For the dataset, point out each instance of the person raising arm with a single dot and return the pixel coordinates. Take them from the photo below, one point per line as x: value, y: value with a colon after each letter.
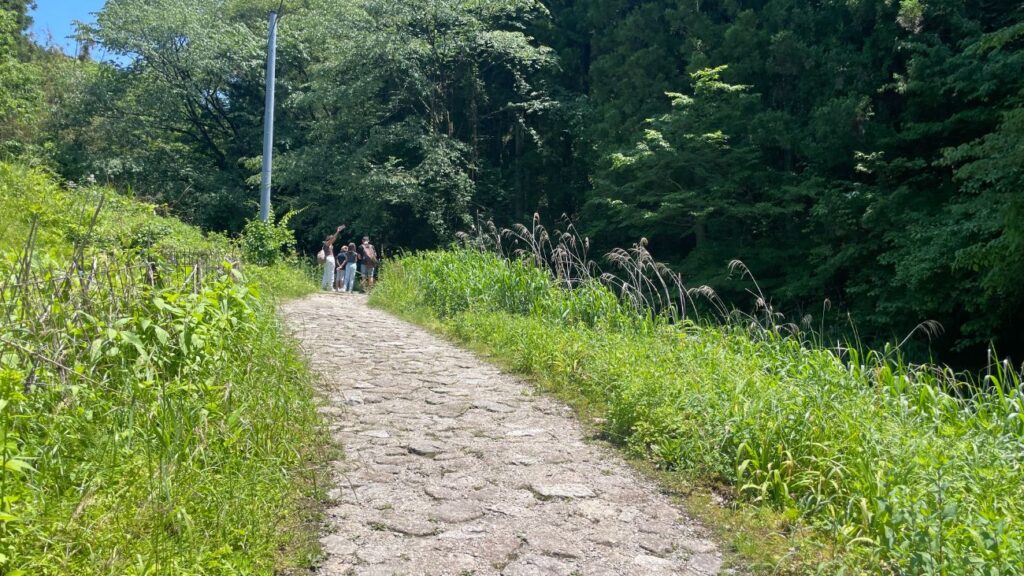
x: 326, y: 257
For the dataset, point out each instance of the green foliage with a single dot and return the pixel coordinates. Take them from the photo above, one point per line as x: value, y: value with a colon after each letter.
x: 177, y: 121
x: 860, y: 152
x: 414, y: 100
x: 901, y: 469
x: 661, y: 186
x: 65, y: 215
x: 284, y: 281
x: 388, y: 111
x: 149, y: 452
x: 154, y: 418
x: 864, y: 162
x: 20, y: 86
x: 267, y: 243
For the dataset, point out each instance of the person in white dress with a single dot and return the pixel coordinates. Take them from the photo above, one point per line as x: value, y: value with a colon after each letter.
x: 326, y: 257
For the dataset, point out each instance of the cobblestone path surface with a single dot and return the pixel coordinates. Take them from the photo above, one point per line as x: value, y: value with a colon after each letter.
x: 453, y: 467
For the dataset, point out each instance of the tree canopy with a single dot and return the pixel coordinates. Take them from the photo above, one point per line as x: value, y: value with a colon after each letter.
x: 867, y: 153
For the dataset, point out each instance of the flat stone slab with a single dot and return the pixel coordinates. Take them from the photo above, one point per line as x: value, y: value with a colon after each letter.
x: 338, y: 545
x: 697, y: 546
x: 453, y: 467
x: 440, y: 493
x: 447, y: 410
x: 407, y: 526
x: 456, y: 512
x: 537, y: 565
x: 452, y: 392
x: 653, y: 564
x: 428, y: 449
x: 546, y: 490
x: 496, y: 407
x: 656, y: 546
x: 529, y: 432
x: 551, y: 543
x: 354, y: 398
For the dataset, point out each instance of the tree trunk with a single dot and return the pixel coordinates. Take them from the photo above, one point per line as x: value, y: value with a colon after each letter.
x: 520, y: 207
x: 700, y: 231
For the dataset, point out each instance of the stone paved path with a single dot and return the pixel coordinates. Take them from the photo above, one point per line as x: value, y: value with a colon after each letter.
x: 452, y: 467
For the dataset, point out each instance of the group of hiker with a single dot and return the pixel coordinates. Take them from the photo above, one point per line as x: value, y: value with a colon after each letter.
x: 340, y: 268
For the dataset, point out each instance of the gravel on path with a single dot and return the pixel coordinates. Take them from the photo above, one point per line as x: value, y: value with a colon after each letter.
x: 453, y: 467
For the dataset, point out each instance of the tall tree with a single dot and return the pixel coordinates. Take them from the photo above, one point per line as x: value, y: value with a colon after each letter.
x: 881, y: 142
x: 179, y: 118
x: 20, y: 81
x: 415, y: 110
x: 866, y: 152
x: 20, y: 20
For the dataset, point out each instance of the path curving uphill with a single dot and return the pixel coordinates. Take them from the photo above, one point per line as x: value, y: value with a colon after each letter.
x: 455, y: 468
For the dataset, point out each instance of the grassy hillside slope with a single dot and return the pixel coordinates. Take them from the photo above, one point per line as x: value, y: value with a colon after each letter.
x: 894, y: 469
x: 154, y: 419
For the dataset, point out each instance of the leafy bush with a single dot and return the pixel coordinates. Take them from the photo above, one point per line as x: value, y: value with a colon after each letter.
x: 162, y: 447
x: 153, y: 417
x: 267, y: 243
x: 903, y: 469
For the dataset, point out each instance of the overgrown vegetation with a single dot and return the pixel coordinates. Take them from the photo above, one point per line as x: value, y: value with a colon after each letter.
x: 867, y: 152
x: 154, y: 419
x: 902, y: 469
x: 270, y: 242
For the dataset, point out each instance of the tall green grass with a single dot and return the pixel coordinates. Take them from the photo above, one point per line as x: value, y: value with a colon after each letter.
x: 901, y: 469
x: 154, y: 419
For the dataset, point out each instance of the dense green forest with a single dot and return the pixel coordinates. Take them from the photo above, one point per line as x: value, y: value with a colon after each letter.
x: 862, y: 156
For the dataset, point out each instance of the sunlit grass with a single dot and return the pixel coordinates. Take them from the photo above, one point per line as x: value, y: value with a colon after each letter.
x: 897, y: 468
x: 154, y: 418
x: 282, y: 281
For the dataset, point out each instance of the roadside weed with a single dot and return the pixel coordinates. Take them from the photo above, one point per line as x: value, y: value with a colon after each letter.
x: 899, y: 468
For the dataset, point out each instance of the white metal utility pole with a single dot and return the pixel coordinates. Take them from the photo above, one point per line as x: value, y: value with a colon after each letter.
x: 268, y: 120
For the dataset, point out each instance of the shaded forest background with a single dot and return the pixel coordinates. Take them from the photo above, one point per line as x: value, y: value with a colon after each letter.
x: 864, y: 153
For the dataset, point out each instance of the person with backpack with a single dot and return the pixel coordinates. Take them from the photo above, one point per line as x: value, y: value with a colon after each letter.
x: 370, y: 261
x: 326, y: 259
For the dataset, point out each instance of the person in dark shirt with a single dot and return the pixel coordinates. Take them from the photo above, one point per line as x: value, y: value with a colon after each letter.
x: 351, y: 256
x: 339, y: 269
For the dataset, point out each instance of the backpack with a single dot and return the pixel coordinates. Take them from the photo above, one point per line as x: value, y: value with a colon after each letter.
x: 370, y: 256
